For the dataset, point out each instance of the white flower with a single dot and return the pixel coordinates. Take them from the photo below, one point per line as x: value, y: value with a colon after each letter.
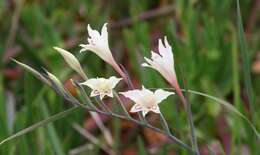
x: 146, y: 100
x: 163, y: 62
x: 98, y: 43
x: 102, y: 87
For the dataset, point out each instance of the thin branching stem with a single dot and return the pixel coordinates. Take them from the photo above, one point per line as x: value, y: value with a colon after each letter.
x: 190, y: 118
x: 173, y: 138
x: 164, y: 124
x: 82, y: 90
x: 127, y: 79
x: 122, y: 105
x: 102, y: 105
x: 141, y: 123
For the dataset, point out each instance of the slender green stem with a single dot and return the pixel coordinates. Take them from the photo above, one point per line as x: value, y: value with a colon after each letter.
x: 164, y: 124
x: 103, y: 105
x: 122, y: 105
x: 173, y: 138
x: 190, y: 118
x: 124, y: 74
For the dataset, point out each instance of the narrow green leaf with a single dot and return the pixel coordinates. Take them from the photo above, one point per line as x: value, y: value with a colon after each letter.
x: 141, y: 146
x: 33, y: 71
x: 229, y: 107
x: 52, y: 132
x: 41, y: 123
x: 246, y: 63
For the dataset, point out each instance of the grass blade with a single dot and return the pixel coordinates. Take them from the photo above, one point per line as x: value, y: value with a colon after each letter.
x: 229, y: 107
x: 40, y: 124
x: 52, y: 132
x: 246, y: 63
x: 33, y: 71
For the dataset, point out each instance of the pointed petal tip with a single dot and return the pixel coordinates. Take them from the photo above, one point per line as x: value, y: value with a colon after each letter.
x: 105, y: 24
x: 144, y: 65
x: 159, y: 40
x: 14, y: 60
x: 165, y: 38
x: 89, y: 27
x: 57, y: 48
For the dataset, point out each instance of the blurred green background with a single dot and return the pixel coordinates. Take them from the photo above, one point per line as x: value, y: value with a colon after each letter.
x: 209, y: 57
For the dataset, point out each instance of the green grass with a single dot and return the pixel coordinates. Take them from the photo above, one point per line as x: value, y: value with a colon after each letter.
x: 209, y: 47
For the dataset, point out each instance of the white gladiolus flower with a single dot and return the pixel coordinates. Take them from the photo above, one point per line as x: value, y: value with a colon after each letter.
x: 146, y: 100
x: 98, y: 43
x: 163, y: 61
x: 102, y: 87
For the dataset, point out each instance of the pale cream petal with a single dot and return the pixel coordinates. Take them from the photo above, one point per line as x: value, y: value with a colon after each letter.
x: 94, y: 93
x: 151, y: 63
x: 145, y: 65
x: 104, y: 32
x: 136, y: 108
x: 167, y: 53
x: 110, y: 94
x: 146, y: 92
x: 114, y: 81
x: 160, y: 46
x: 155, y: 55
x: 155, y: 109
x: 89, y: 47
x: 161, y: 95
x: 93, y: 33
x: 134, y: 95
x: 144, y: 112
x: 101, y: 96
x: 92, y: 83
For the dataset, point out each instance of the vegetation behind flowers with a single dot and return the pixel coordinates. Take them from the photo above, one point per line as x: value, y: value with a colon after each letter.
x: 209, y: 57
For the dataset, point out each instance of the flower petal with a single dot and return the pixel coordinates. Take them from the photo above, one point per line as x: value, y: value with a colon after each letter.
x: 136, y: 108
x: 104, y: 32
x: 114, y: 81
x: 102, y: 96
x: 162, y: 62
x: 94, y: 93
x: 110, y: 94
x: 92, y: 83
x: 144, y: 112
x: 134, y: 95
x: 146, y: 92
x: 155, y: 109
x: 94, y: 34
x: 161, y: 95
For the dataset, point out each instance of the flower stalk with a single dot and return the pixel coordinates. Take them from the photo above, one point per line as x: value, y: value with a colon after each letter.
x: 187, y: 107
x: 163, y: 62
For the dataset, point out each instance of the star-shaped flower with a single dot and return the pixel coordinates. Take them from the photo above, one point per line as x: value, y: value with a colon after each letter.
x: 146, y: 100
x: 102, y: 87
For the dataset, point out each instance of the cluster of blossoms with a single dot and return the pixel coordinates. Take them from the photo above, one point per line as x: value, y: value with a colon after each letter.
x: 145, y: 100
